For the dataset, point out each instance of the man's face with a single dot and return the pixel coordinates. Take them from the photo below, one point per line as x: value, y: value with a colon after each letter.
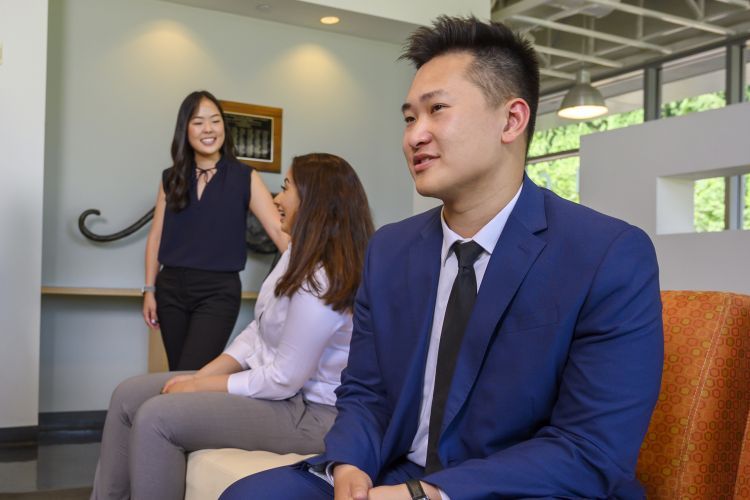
x: 452, y: 136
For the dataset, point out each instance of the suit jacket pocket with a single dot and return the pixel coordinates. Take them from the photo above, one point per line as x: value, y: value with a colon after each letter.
x: 527, y: 320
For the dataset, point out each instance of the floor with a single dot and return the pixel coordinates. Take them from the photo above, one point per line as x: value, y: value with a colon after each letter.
x: 51, y: 464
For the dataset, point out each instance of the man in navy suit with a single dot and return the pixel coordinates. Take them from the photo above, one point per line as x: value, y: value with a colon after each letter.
x: 549, y: 386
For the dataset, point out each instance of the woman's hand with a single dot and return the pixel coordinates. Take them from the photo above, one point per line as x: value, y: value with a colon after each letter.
x: 175, y: 387
x: 177, y: 379
x: 211, y: 378
x: 152, y: 259
x: 149, y: 310
x: 196, y: 383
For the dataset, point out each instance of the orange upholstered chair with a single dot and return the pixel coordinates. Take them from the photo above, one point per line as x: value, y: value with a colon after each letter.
x: 742, y: 486
x: 694, y: 445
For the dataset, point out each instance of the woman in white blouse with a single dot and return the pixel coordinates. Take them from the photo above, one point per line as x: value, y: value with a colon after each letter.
x: 273, y: 387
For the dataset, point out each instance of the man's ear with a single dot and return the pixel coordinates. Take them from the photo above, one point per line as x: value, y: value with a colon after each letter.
x: 517, y: 113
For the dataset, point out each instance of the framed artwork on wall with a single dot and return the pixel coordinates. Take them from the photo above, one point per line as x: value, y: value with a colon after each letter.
x: 256, y: 133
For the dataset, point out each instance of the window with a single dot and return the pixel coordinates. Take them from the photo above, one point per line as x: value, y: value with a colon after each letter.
x: 691, y: 84
x: 568, y: 136
x: 704, y: 102
x: 694, y: 84
x: 709, y: 205
x: 561, y: 175
x: 710, y: 210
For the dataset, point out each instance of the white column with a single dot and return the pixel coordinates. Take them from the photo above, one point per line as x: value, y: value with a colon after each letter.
x: 23, y: 71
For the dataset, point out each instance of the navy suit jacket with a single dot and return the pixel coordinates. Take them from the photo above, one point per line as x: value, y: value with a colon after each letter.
x: 558, y: 372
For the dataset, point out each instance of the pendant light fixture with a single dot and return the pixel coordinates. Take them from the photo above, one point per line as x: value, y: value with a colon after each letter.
x: 582, y: 101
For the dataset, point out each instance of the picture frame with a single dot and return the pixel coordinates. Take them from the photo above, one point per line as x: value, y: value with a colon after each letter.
x: 256, y: 133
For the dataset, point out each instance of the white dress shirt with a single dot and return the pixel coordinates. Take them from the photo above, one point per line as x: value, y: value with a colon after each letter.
x: 294, y: 343
x: 487, y: 238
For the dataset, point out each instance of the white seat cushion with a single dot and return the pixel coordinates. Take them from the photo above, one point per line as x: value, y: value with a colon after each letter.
x: 210, y: 472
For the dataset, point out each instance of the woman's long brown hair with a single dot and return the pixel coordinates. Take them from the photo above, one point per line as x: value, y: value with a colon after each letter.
x: 332, y: 227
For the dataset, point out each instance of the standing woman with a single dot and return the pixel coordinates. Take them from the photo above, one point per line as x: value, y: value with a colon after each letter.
x: 198, y: 236
x: 273, y: 388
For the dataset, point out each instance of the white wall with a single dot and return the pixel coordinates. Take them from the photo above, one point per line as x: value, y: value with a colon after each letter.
x: 23, y: 35
x: 118, y: 71
x: 620, y: 172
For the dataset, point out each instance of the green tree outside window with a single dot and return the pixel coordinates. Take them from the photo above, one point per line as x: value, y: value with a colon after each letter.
x: 568, y: 137
x: 713, y: 100
x: 709, y: 203
x: 559, y: 176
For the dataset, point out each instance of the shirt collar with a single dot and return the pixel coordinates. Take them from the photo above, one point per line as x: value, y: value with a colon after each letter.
x: 486, y: 237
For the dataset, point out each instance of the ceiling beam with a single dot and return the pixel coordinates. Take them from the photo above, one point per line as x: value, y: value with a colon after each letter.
x: 651, y: 36
x: 578, y: 56
x: 739, y: 3
x: 663, y: 16
x: 557, y: 74
x: 567, y: 12
x: 591, y: 33
x: 517, y: 8
x: 698, y: 9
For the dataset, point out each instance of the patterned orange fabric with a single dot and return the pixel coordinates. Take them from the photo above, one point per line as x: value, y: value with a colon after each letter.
x: 742, y: 487
x: 694, y: 441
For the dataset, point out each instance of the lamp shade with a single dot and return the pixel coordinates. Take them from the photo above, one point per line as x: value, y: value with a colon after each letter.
x: 582, y: 101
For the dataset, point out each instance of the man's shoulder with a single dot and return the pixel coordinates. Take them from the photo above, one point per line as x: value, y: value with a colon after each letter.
x: 571, y: 216
x: 586, y: 235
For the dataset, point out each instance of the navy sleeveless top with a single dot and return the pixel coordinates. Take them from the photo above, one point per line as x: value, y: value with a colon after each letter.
x: 209, y: 234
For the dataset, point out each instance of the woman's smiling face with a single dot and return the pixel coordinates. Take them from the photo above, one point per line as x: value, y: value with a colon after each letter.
x: 287, y: 202
x: 206, y: 131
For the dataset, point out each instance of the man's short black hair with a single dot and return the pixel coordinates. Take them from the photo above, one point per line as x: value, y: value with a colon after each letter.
x: 505, y: 64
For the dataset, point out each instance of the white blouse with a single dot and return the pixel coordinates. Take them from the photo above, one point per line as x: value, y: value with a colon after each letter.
x: 294, y: 343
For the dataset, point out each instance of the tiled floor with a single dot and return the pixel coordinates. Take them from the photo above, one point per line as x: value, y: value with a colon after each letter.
x: 47, y: 466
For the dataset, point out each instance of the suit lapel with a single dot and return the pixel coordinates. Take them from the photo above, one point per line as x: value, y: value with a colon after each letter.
x: 513, y: 256
x: 423, y: 274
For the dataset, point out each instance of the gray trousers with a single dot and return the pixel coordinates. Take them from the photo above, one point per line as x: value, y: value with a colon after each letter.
x: 147, y: 435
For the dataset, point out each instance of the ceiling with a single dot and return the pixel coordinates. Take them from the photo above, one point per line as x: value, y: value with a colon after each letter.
x: 604, y: 36
x: 306, y: 14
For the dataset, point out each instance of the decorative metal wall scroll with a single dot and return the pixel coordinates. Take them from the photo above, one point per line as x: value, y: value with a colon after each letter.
x: 105, y: 238
x: 255, y: 236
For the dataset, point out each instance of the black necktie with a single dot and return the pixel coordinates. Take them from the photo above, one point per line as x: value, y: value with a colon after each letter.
x: 457, y: 313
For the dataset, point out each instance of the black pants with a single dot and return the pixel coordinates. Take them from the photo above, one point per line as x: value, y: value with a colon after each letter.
x: 197, y: 311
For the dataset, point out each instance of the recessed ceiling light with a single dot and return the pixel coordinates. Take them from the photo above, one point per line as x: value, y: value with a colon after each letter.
x: 263, y: 7
x: 330, y: 20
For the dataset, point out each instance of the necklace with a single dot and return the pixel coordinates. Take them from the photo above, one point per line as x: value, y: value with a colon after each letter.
x: 204, y: 172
